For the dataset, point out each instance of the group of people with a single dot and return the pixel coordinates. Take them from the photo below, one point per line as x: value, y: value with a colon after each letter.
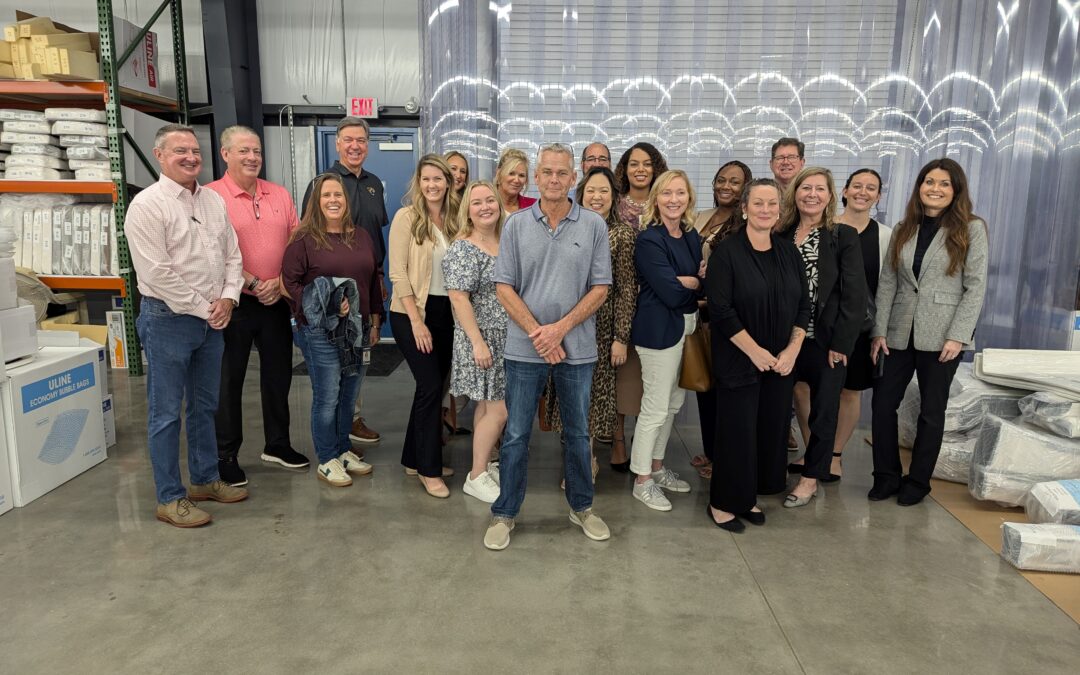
x: 575, y: 307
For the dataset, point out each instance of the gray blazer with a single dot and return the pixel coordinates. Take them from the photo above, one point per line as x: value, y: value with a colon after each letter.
x: 941, y: 307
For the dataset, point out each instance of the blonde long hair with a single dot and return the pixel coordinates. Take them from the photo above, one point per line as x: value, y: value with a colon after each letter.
x: 651, y: 214
x: 464, y: 222
x: 313, y: 224
x: 507, y: 161
x: 423, y: 229
x: 789, y: 213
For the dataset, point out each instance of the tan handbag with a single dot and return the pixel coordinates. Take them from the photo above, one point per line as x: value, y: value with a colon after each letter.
x: 696, y: 373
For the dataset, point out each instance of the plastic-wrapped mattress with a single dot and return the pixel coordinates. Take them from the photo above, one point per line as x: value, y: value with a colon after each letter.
x: 1050, y: 411
x: 1012, y: 456
x: 954, y: 462
x: 1054, y: 502
x: 1046, y: 547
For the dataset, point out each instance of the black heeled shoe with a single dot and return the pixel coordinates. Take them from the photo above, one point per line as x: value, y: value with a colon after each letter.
x: 753, y: 517
x: 734, y: 525
x: 795, y: 468
x: 620, y: 467
x: 833, y: 477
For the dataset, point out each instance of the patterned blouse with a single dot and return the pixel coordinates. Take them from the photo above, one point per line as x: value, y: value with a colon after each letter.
x: 809, y: 252
x: 630, y: 213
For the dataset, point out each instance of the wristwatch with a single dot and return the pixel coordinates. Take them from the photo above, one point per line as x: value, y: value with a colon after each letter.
x: 254, y: 282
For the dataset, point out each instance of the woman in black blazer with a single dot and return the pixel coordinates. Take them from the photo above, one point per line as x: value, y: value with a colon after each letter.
x: 667, y: 256
x: 832, y: 257
x: 758, y: 309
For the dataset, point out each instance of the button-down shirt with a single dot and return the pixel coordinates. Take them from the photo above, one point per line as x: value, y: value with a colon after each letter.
x: 263, y: 223
x: 182, y: 247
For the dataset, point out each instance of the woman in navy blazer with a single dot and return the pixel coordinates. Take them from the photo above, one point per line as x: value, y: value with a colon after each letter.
x: 667, y: 256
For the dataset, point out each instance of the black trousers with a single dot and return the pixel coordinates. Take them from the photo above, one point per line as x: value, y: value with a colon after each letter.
x: 268, y: 328
x: 751, y: 442
x: 423, y: 437
x: 706, y: 407
x: 812, y: 367
x: 934, y: 381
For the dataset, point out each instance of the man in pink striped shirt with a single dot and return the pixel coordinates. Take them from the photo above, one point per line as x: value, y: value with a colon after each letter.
x: 263, y: 216
x: 188, y: 270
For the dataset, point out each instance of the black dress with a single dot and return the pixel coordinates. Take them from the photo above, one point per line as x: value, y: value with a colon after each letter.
x: 860, y: 373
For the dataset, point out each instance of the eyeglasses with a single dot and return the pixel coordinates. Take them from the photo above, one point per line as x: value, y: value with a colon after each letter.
x: 786, y: 158
x: 598, y: 158
x: 255, y: 205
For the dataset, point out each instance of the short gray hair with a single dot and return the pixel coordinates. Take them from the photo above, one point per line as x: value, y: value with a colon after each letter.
x: 227, y: 135
x: 557, y: 148
x: 353, y: 122
x: 159, y: 137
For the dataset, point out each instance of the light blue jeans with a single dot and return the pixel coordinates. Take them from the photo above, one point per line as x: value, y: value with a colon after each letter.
x: 333, y: 395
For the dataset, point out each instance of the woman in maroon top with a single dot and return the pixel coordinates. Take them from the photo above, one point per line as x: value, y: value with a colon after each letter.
x: 328, y: 244
x: 511, y: 179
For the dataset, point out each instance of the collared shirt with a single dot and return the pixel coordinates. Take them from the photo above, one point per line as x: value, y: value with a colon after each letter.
x: 182, y: 247
x: 263, y: 223
x: 367, y: 205
x: 552, y: 271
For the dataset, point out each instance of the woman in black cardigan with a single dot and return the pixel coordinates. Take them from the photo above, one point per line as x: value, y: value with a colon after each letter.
x: 758, y: 310
x: 832, y: 257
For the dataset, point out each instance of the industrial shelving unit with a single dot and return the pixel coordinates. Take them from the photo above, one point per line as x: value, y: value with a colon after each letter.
x: 108, y: 93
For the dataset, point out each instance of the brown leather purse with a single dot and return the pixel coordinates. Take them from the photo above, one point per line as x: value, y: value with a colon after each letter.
x: 696, y: 372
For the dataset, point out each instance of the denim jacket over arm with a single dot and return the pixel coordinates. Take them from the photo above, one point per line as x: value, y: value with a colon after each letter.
x: 321, y: 304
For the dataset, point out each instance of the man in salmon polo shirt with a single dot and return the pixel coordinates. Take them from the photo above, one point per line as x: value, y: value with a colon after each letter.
x: 263, y: 215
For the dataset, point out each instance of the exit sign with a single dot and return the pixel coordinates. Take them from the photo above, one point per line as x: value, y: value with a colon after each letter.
x: 363, y: 107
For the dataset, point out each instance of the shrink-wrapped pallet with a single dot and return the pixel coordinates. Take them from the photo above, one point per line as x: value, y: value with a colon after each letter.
x: 1045, y: 547
x: 1054, y: 502
x: 1012, y: 456
x: 1050, y: 411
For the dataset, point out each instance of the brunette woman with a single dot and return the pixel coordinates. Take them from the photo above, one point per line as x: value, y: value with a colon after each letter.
x: 459, y: 169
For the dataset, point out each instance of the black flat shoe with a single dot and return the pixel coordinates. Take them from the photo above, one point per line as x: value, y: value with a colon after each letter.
x: 621, y: 467
x: 795, y: 468
x: 833, y: 477
x: 909, y: 496
x: 753, y: 517
x: 883, y: 489
x: 734, y: 525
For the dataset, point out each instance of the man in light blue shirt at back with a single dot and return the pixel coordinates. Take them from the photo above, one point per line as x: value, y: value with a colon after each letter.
x: 552, y: 274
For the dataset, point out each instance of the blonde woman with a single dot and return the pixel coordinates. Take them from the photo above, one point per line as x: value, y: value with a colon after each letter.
x: 420, y: 315
x: 511, y: 179
x: 667, y: 256
x: 459, y: 169
x: 477, y: 370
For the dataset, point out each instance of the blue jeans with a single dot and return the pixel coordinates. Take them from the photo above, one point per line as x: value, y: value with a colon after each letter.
x: 333, y: 395
x: 183, y: 356
x: 524, y: 385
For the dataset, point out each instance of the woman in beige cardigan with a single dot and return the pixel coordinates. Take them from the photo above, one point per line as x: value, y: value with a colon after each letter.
x: 420, y: 313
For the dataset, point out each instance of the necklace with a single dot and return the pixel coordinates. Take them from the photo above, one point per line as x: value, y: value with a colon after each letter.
x: 637, y: 204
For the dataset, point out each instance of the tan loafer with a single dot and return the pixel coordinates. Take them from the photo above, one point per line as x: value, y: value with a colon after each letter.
x: 182, y: 513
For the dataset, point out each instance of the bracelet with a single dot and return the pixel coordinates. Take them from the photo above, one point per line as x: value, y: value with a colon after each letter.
x: 254, y: 282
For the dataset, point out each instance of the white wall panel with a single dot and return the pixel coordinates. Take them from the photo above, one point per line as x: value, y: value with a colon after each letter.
x: 383, y: 46
x: 276, y: 158
x: 301, y: 51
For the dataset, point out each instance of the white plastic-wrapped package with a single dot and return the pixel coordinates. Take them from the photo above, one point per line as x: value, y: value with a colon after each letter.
x: 37, y: 160
x: 70, y: 127
x: 35, y: 199
x: 75, y: 114
x: 19, y: 137
x: 77, y: 164
x: 1053, y: 412
x: 970, y: 401
x: 1045, y: 547
x: 37, y: 149
x: 8, y: 114
x: 87, y: 152
x: 32, y: 173
x: 69, y: 140
x: 1054, y: 502
x: 954, y: 462
x: 27, y: 127
x: 1011, y: 456
x: 93, y: 174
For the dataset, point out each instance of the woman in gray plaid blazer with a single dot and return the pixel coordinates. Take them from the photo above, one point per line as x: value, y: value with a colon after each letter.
x: 929, y: 297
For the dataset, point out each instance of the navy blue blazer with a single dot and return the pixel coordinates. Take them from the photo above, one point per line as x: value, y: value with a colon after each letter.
x: 662, y: 301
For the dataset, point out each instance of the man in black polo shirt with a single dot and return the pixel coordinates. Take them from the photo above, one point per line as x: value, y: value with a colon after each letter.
x: 367, y: 207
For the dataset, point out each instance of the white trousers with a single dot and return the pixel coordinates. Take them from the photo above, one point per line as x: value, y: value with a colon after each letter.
x: 661, y: 401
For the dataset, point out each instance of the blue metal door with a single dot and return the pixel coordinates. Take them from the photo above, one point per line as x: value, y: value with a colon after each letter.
x: 392, y: 156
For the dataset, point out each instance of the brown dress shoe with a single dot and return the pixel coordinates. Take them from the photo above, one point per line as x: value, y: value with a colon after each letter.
x: 182, y: 513
x: 361, y: 433
x: 218, y: 491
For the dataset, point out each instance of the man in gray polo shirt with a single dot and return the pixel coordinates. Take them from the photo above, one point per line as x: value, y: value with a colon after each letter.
x: 552, y: 274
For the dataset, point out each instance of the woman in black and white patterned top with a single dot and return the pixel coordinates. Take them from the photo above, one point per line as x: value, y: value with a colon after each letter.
x: 832, y: 256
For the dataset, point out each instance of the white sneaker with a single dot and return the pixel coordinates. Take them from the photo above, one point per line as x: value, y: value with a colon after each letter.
x: 483, y: 487
x: 493, y: 471
x: 355, y: 465
x: 650, y: 494
x: 669, y: 480
x: 333, y: 472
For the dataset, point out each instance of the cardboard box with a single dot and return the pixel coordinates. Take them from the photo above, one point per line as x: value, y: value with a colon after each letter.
x: 7, y: 70
x: 78, y: 64
x: 102, y: 363
x: 69, y: 322
x: 18, y: 332
x: 8, y: 296
x: 79, y: 41
x: 5, y: 52
x: 117, y: 340
x: 109, y: 418
x: 53, y: 421
x: 7, y: 500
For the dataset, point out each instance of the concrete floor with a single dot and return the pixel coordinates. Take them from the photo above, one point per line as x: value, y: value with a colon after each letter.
x: 380, y: 577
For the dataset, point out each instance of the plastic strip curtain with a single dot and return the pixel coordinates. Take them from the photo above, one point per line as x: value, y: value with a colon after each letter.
x: 880, y: 83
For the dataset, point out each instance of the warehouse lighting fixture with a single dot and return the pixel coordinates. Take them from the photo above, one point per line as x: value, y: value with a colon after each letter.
x: 445, y: 7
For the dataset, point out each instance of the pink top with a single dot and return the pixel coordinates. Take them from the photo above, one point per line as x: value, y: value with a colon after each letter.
x: 182, y: 247
x: 263, y: 223
x: 525, y: 202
